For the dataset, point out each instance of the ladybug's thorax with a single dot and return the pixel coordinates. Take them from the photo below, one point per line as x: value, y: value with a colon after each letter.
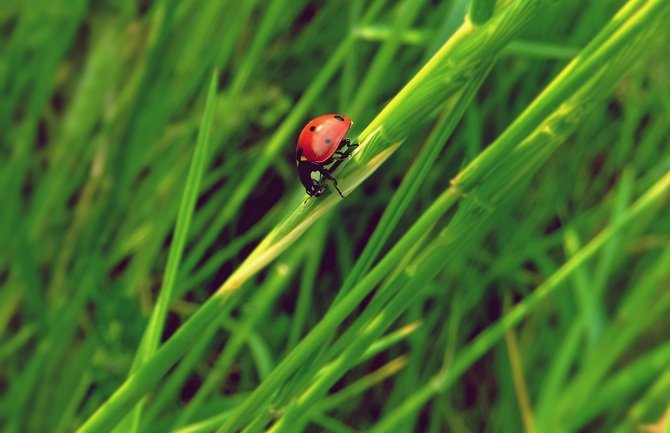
x: 321, y: 137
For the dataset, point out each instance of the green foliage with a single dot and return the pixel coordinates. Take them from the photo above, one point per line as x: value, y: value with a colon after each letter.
x: 500, y: 261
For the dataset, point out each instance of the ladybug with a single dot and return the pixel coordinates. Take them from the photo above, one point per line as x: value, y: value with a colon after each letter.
x: 321, y: 149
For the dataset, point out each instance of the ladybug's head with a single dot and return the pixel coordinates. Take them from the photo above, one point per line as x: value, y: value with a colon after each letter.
x: 310, y: 176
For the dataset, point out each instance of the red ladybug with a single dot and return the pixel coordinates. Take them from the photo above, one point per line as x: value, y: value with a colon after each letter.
x: 321, y: 144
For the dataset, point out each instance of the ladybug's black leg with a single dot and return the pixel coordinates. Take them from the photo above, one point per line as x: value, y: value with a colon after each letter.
x: 335, y: 165
x: 344, y: 143
x: 347, y: 147
x: 339, y: 155
x: 326, y: 173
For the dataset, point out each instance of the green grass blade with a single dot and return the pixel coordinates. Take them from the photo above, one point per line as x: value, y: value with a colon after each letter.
x: 154, y: 330
x: 653, y: 199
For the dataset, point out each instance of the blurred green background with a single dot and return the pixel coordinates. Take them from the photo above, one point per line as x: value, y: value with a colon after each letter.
x: 101, y: 107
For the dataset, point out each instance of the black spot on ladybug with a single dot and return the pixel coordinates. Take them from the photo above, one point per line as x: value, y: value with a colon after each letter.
x: 338, y: 117
x: 312, y: 128
x: 327, y: 140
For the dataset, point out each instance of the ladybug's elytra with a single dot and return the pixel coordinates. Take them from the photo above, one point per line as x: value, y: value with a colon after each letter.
x: 321, y: 144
